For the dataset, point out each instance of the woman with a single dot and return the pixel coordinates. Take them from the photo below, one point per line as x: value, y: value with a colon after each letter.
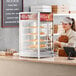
x: 69, y: 31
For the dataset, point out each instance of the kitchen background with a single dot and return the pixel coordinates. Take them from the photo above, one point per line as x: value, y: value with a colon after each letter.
x: 9, y: 37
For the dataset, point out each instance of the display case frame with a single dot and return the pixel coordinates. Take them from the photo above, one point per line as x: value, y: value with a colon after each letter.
x: 39, y: 53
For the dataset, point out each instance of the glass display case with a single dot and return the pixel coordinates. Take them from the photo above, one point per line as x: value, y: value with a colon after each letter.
x: 35, y: 34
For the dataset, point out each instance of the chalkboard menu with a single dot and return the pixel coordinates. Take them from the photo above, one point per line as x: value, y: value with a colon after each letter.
x: 10, y: 12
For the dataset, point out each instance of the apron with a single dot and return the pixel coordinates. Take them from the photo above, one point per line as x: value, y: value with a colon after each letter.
x: 63, y: 38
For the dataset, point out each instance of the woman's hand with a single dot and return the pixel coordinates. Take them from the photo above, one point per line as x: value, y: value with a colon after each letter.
x: 57, y: 43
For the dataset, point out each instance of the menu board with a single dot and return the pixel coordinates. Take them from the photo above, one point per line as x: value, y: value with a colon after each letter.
x: 10, y: 12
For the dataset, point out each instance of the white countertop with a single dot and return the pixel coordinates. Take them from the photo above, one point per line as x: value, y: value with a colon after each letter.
x: 51, y: 60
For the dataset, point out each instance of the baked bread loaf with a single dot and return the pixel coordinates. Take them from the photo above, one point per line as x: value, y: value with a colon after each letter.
x: 63, y: 38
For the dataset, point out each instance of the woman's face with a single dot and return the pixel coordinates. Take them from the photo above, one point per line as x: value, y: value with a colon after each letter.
x: 66, y: 26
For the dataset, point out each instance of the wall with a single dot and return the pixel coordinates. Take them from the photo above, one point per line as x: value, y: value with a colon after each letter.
x: 9, y: 37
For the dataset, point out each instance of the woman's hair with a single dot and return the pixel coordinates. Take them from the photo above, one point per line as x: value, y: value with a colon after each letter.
x: 72, y: 24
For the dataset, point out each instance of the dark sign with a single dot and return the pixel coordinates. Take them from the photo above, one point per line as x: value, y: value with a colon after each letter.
x: 10, y: 12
